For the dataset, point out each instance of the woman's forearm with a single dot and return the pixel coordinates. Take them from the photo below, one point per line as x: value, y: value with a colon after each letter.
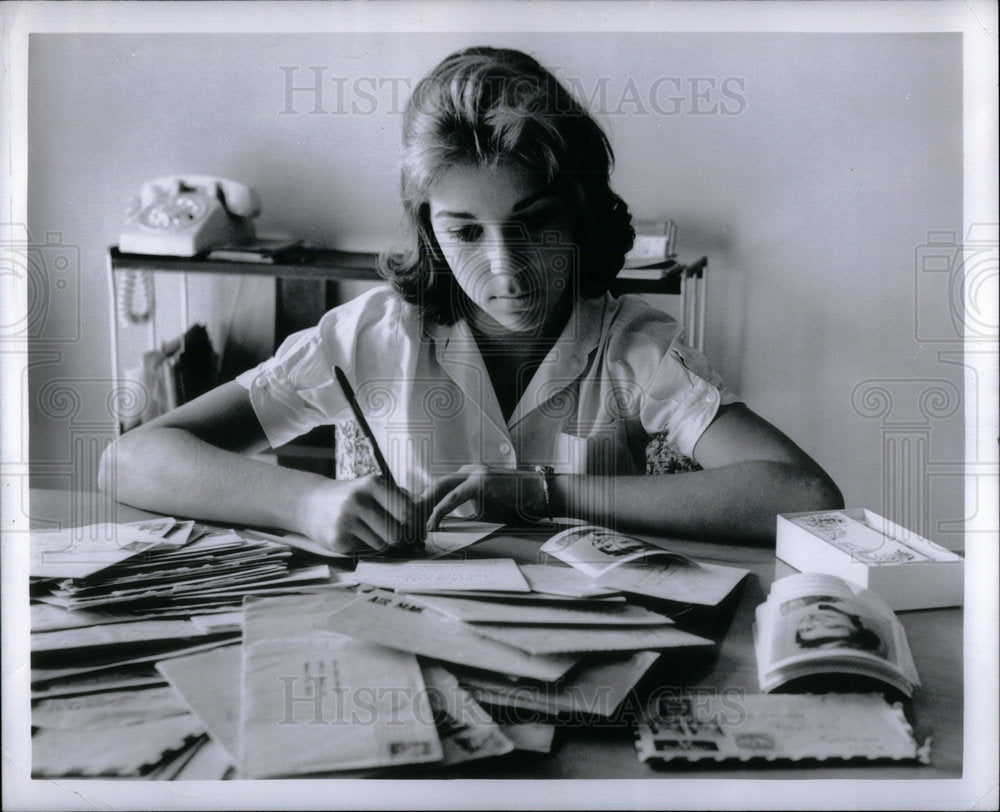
x: 738, y: 501
x: 170, y: 471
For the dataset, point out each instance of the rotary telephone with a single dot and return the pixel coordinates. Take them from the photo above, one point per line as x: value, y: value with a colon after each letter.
x: 184, y: 215
x: 181, y: 216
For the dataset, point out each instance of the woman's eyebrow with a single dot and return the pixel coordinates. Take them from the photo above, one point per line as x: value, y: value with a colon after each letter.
x: 520, y: 205
x: 530, y: 199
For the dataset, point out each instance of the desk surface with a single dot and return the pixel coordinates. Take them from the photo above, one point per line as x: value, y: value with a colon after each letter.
x: 935, y: 637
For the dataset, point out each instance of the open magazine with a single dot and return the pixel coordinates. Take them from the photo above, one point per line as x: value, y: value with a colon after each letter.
x: 815, y: 627
x: 628, y: 564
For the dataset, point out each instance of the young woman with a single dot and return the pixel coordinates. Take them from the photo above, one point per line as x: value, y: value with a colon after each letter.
x: 498, y: 374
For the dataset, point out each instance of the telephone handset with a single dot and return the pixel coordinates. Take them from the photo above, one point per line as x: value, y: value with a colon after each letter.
x: 184, y: 215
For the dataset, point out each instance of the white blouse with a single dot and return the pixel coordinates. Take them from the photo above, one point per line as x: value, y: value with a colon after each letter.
x: 618, y: 373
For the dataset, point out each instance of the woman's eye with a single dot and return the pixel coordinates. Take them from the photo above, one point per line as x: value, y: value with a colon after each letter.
x: 466, y: 233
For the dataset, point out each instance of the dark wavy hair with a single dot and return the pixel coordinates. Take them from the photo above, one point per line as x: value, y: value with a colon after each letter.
x: 486, y: 107
x: 859, y: 637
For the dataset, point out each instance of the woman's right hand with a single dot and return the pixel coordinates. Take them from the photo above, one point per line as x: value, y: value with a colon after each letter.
x: 362, y: 516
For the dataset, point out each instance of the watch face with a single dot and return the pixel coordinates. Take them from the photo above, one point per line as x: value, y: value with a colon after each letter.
x: 173, y: 213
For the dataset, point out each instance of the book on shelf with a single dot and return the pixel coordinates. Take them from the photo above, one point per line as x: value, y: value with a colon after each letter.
x: 661, y: 269
x: 263, y: 250
x: 654, y: 245
x: 820, y: 633
x: 906, y: 570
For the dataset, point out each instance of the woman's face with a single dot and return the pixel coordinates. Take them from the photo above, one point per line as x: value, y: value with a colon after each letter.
x: 508, y: 240
x: 823, y: 624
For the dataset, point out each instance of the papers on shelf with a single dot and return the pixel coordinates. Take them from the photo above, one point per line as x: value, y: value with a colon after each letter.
x: 629, y: 564
x: 791, y: 727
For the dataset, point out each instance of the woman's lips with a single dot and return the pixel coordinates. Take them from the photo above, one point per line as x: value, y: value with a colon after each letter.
x: 513, y: 301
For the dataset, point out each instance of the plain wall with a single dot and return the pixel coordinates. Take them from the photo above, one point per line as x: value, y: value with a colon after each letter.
x: 810, y: 168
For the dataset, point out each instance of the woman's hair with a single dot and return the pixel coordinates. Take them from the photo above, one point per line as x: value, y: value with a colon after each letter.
x: 486, y: 107
x: 859, y: 636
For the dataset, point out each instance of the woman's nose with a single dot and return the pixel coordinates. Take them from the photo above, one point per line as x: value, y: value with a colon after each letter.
x: 502, y: 252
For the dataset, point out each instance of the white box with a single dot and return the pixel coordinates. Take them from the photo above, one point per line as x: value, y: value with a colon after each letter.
x: 906, y: 570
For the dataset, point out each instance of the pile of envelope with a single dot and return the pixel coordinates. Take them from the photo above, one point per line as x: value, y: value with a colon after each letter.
x: 108, y: 602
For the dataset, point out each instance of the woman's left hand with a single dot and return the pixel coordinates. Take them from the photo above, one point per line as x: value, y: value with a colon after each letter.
x: 498, y: 494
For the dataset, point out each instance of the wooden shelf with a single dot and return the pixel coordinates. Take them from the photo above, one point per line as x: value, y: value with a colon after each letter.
x: 330, y: 264
x: 313, y: 263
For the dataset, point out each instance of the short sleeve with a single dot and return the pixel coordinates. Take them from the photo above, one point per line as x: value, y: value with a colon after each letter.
x: 294, y: 391
x: 679, y: 392
x: 683, y: 396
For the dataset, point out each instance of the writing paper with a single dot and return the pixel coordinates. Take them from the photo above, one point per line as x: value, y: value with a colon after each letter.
x: 127, y: 750
x: 499, y: 574
x: 107, y: 709
x: 113, y: 679
x: 209, y: 683
x: 453, y: 534
x: 210, y: 762
x: 46, y: 618
x: 46, y: 675
x: 467, y: 731
x: 595, y: 688
x: 137, y: 631
x: 481, y: 611
x: 562, y: 581
x: 534, y: 736
x: 404, y: 624
x: 554, y: 640
x: 537, y: 598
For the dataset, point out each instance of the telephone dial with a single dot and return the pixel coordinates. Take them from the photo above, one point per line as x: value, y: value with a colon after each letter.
x: 184, y: 215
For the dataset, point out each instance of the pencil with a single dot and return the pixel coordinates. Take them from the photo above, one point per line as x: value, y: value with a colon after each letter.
x: 345, y: 387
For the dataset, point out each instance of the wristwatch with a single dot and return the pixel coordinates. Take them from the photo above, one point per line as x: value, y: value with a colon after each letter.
x: 546, y: 472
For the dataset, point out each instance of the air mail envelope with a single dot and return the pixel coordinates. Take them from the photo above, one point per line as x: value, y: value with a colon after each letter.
x: 402, y: 623
x: 317, y: 701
